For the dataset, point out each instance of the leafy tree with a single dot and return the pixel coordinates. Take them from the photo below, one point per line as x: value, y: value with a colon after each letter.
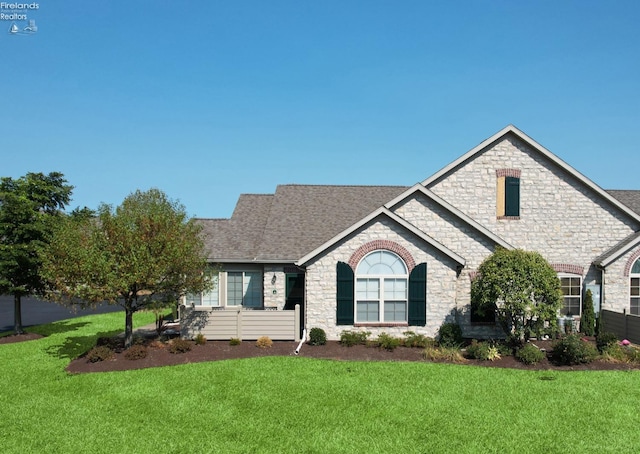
x: 29, y: 208
x: 521, y: 287
x: 588, y: 319
x: 144, y: 254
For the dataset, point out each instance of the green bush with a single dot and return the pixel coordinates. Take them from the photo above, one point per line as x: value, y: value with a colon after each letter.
x: 234, y: 341
x: 388, y: 342
x: 350, y: 338
x: 317, y: 336
x: 529, y: 354
x: 588, y: 318
x: 412, y: 339
x: 604, y: 340
x: 447, y: 354
x: 483, y: 351
x: 573, y: 350
x: 136, y: 352
x: 200, y: 339
x: 179, y: 346
x: 99, y: 353
x: 450, y: 335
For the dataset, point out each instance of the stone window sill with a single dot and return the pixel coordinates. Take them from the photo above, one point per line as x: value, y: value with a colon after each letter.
x: 380, y: 325
x: 508, y: 218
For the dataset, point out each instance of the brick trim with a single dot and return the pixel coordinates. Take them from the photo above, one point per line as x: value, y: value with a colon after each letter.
x: 630, y: 262
x: 568, y: 268
x: 508, y: 218
x: 515, y: 173
x: 376, y: 245
x: 473, y: 275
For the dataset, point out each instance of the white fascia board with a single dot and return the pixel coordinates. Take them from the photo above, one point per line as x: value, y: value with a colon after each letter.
x: 453, y: 210
x: 543, y: 151
x: 616, y: 254
x: 394, y: 217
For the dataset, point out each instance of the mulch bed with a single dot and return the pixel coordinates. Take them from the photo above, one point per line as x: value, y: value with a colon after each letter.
x: 222, y: 350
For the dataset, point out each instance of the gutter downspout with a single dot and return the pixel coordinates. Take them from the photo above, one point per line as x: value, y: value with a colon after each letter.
x: 304, y: 337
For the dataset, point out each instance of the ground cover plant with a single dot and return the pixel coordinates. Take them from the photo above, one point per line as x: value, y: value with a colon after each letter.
x: 365, y: 406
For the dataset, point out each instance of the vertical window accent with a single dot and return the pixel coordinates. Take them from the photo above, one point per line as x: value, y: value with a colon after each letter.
x: 572, y: 294
x: 381, y: 288
x: 344, y: 294
x: 508, y: 193
x: 634, y: 289
x: 418, y: 295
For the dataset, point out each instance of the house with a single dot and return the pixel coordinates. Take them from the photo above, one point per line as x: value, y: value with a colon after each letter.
x: 393, y: 259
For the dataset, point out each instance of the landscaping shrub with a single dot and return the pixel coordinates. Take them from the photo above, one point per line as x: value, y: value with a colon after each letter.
x: 234, y: 341
x: 483, y: 351
x: 350, y: 338
x: 417, y: 340
x: 112, y: 343
x: 179, y: 346
x: 450, y: 335
x: 200, y: 339
x: 588, y: 318
x: 136, y: 352
x: 264, y: 342
x: 604, y: 340
x: 448, y: 354
x: 573, y: 350
x: 99, y: 353
x: 529, y: 354
x: 317, y: 336
x: 617, y: 353
x: 388, y: 342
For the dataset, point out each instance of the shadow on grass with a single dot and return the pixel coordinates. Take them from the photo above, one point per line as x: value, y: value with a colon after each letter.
x: 75, y: 346
x: 62, y: 327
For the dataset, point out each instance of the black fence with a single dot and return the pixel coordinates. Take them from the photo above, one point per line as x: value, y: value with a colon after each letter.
x: 623, y: 325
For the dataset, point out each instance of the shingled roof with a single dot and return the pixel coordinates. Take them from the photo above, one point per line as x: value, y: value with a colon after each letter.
x: 630, y: 198
x: 284, y: 226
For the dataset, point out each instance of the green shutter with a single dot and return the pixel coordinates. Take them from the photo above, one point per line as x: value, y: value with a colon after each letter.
x: 418, y: 296
x: 512, y: 196
x: 344, y: 294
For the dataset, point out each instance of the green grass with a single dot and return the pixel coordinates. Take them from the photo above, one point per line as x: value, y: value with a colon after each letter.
x: 302, y: 405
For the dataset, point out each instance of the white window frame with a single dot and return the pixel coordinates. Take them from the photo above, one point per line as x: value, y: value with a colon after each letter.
x: 202, y: 299
x: 259, y: 277
x: 565, y: 297
x: 634, y: 290
x: 384, y: 281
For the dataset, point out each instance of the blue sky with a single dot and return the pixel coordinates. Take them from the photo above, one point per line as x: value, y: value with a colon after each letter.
x: 207, y: 100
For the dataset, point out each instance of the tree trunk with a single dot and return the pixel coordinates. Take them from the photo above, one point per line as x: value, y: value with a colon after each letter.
x: 17, y: 314
x: 128, y: 327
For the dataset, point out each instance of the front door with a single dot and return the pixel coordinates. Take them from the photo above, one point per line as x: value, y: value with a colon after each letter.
x: 294, y: 294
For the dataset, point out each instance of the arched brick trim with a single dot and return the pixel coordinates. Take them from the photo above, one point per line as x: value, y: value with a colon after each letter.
x: 567, y: 268
x: 630, y: 262
x: 381, y: 244
x: 515, y: 173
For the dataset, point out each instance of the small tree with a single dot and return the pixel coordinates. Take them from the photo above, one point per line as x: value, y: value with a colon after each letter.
x: 29, y: 208
x: 588, y: 318
x: 521, y: 287
x: 142, y: 255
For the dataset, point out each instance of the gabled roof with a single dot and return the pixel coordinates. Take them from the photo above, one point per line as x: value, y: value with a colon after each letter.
x: 395, y: 218
x: 512, y: 130
x: 284, y: 226
x: 610, y: 256
x: 418, y: 188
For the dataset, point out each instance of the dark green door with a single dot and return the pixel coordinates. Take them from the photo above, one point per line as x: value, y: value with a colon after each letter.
x: 294, y: 291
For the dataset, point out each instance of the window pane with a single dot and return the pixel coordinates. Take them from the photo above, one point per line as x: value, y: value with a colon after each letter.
x: 381, y: 262
x: 252, y: 289
x: 635, y: 306
x: 234, y: 289
x: 367, y: 311
x: 395, y: 289
x: 636, y: 267
x: 211, y: 298
x: 193, y: 298
x: 395, y: 311
x: 368, y: 289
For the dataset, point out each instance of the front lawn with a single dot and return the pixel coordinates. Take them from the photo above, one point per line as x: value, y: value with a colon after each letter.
x: 294, y: 404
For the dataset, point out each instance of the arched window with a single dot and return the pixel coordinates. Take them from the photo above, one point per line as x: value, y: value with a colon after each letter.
x: 634, y: 289
x: 381, y: 288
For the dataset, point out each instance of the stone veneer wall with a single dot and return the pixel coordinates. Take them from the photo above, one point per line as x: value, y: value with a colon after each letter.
x: 559, y: 216
x: 616, y: 292
x: 321, y: 281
